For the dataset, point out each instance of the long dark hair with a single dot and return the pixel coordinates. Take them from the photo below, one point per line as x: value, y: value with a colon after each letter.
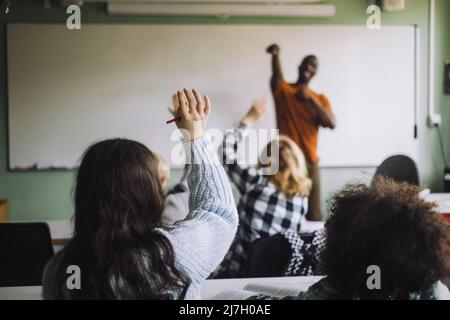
x: 118, y: 204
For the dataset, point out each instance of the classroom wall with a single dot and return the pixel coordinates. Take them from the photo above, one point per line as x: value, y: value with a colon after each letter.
x: 445, y: 103
x: 47, y: 195
x: 443, y: 53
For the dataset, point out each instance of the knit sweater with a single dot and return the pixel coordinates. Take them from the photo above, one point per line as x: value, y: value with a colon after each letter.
x: 201, y: 241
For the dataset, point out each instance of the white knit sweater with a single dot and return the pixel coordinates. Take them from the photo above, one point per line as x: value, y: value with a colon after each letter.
x: 201, y: 241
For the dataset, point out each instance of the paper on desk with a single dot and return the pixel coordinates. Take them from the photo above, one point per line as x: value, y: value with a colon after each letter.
x: 234, y: 295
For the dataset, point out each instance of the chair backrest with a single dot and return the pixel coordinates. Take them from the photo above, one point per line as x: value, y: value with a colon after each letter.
x: 268, y: 257
x: 25, y: 248
x: 399, y: 168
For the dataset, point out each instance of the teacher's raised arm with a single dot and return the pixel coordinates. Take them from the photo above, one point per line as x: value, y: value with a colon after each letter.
x: 277, y: 73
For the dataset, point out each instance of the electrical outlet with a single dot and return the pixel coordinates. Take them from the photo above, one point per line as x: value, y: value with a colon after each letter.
x: 434, y: 120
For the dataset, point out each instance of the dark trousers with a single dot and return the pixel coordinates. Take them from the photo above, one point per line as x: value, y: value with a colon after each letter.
x: 314, y: 212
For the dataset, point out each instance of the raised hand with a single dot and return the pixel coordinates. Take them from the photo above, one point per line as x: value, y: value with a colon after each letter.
x: 190, y: 112
x: 273, y: 49
x: 255, y: 112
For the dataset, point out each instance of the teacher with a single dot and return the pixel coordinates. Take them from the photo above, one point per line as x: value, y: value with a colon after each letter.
x: 300, y: 112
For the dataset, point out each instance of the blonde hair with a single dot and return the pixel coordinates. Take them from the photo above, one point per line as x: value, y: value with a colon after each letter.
x: 163, y: 168
x: 291, y: 177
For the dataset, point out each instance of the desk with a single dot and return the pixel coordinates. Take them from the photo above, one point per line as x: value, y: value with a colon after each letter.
x: 3, y: 211
x: 61, y: 231
x: 307, y: 226
x: 212, y: 287
x: 209, y: 289
x: 21, y: 293
x: 442, y: 200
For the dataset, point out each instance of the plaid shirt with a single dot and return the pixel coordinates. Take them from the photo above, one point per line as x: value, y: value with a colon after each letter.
x: 263, y: 210
x: 306, y: 257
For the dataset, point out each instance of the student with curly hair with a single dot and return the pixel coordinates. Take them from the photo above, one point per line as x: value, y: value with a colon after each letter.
x: 387, y: 225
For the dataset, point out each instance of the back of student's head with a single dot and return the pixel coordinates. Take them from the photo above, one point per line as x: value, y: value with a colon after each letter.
x: 389, y: 226
x: 118, y: 205
x: 291, y: 178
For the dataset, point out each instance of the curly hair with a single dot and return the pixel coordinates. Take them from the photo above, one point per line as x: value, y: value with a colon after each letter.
x: 388, y: 225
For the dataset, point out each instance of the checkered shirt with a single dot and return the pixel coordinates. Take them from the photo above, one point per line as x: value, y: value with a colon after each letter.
x: 306, y: 258
x: 263, y: 210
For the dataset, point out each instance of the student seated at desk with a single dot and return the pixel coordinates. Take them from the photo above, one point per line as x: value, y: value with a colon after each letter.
x: 305, y: 254
x: 176, y: 200
x: 270, y: 202
x: 119, y: 243
x: 389, y: 226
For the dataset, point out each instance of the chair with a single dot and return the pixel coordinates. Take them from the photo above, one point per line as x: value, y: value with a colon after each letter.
x: 268, y: 256
x: 399, y: 168
x: 25, y: 248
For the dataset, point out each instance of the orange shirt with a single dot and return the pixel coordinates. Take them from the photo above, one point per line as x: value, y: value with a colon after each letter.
x: 297, y: 119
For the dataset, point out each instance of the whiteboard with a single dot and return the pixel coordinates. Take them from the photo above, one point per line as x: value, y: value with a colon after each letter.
x: 70, y: 88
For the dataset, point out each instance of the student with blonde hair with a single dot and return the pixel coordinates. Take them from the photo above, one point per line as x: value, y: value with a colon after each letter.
x: 274, y: 194
x: 292, y: 177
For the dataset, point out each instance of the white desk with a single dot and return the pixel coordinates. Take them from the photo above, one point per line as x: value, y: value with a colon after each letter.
x: 21, y: 293
x: 307, y: 226
x: 442, y: 200
x: 61, y: 230
x: 209, y: 289
x: 212, y: 287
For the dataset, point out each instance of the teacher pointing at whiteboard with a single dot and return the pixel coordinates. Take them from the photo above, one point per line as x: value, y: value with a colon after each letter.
x: 300, y: 112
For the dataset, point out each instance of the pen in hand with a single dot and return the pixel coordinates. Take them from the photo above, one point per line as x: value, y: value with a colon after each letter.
x: 173, y: 120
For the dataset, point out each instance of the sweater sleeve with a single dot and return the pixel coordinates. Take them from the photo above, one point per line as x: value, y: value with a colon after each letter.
x: 202, y: 240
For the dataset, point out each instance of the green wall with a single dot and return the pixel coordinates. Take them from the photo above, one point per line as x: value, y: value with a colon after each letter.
x: 442, y: 54
x: 47, y: 195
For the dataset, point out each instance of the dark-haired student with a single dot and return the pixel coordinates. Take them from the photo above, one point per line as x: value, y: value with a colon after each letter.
x: 389, y: 226
x: 272, y: 200
x: 119, y: 244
